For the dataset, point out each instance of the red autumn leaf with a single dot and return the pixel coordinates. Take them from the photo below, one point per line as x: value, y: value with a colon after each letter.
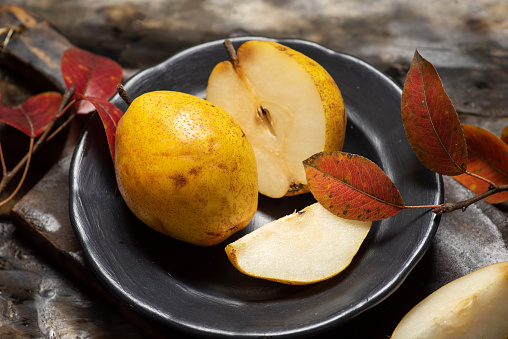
x: 37, y: 110
x: 431, y: 123
x: 488, y: 157
x: 110, y: 115
x: 351, y: 186
x: 504, y: 135
x: 93, y: 76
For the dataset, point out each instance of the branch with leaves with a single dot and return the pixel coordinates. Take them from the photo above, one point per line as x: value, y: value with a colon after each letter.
x: 90, y: 79
x: 353, y: 187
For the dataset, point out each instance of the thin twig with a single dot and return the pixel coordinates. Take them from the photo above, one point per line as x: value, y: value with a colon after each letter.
x: 10, y: 30
x: 62, y: 126
x: 30, y: 152
x: 449, y: 207
x: 2, y: 159
x: 453, y: 206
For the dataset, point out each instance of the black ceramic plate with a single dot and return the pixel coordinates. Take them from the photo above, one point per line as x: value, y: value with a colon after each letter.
x: 196, y: 290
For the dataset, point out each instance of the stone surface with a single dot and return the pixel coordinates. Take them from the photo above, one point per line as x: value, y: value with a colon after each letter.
x: 466, y: 40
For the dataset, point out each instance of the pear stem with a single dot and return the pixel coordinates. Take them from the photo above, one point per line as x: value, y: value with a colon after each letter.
x: 232, y: 53
x: 123, y: 94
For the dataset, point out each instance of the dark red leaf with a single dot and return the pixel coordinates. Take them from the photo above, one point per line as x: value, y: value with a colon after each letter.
x: 504, y: 135
x: 351, y: 186
x: 38, y: 109
x: 430, y: 120
x: 110, y: 115
x: 488, y: 157
x: 94, y: 76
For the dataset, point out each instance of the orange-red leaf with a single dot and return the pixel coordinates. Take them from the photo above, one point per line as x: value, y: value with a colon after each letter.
x: 110, y: 115
x: 37, y: 110
x: 504, y: 135
x: 488, y: 157
x: 351, y: 186
x: 431, y: 123
x: 93, y: 76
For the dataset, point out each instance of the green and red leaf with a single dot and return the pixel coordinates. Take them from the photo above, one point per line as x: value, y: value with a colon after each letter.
x: 431, y: 123
x: 92, y: 75
x: 36, y: 111
x: 488, y: 157
x: 110, y: 116
x: 351, y: 186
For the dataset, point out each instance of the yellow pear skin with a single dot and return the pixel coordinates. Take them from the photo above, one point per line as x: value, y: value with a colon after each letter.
x: 185, y: 167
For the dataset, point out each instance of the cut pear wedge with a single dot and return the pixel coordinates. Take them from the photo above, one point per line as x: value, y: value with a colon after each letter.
x: 301, y: 248
x: 473, y: 306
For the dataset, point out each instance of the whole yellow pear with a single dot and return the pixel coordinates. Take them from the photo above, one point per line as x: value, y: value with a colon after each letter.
x: 185, y: 167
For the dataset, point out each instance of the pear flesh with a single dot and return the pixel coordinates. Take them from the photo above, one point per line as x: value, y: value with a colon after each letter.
x: 287, y: 104
x: 473, y: 306
x: 301, y: 248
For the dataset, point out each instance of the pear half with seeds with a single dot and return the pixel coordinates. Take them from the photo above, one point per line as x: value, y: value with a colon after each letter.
x: 301, y: 248
x: 473, y: 306
x: 288, y: 105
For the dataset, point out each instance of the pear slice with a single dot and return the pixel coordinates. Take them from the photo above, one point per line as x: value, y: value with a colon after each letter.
x: 473, y: 306
x: 301, y: 248
x: 288, y: 106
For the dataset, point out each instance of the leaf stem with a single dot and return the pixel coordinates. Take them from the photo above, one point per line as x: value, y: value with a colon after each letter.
x: 481, y: 178
x: 422, y: 206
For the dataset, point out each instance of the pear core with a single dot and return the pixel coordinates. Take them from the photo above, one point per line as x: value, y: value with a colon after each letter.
x: 185, y: 167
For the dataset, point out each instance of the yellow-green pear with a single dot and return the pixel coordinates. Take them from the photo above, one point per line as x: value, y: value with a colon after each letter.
x: 185, y: 167
x: 288, y: 105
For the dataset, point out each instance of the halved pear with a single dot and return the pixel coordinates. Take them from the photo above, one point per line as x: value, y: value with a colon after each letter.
x: 288, y: 105
x: 473, y: 306
x: 301, y: 248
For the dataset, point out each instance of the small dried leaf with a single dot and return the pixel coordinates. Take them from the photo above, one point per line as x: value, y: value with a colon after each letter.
x: 488, y: 157
x: 352, y: 187
x: 504, y: 135
x: 431, y: 123
x: 110, y: 115
x: 94, y: 76
x: 39, y: 109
